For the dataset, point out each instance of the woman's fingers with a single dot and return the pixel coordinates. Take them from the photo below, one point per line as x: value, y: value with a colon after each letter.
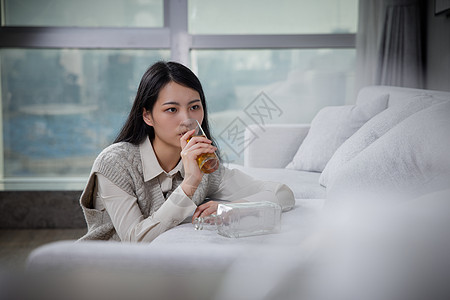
x: 193, y: 141
x: 189, y: 135
x: 185, y: 137
x: 196, y: 150
x: 196, y: 145
x: 196, y: 214
x: 205, y: 209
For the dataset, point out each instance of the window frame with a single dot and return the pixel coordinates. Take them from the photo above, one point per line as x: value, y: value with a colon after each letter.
x: 173, y: 36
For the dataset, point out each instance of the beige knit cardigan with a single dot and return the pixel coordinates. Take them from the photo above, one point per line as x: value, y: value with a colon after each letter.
x: 121, y: 163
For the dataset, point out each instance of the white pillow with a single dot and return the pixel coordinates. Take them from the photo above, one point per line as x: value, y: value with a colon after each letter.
x: 370, y: 132
x: 329, y: 129
x: 412, y: 159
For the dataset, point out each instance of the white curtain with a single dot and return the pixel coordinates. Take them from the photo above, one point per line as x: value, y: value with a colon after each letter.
x: 389, y: 43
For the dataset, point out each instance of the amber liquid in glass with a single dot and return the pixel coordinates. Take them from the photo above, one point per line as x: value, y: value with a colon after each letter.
x: 207, y: 162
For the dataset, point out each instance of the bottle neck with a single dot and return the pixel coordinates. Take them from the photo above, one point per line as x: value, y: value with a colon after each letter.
x: 206, y: 223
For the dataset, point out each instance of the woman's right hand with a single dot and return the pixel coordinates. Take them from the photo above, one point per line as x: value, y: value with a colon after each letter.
x: 196, y: 146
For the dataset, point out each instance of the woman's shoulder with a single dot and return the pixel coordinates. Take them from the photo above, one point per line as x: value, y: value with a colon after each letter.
x: 120, y: 147
x: 121, y: 152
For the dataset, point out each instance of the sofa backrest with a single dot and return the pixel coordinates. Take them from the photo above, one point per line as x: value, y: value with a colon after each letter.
x: 399, y: 95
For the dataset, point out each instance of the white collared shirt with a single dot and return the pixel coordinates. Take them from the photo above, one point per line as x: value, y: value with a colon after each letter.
x: 151, y: 167
x: 131, y: 225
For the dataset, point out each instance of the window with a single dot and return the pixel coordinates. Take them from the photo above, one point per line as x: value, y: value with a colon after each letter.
x: 60, y: 106
x: 272, y: 17
x: 293, y: 80
x: 84, y: 13
x: 69, y: 71
x: 287, y: 51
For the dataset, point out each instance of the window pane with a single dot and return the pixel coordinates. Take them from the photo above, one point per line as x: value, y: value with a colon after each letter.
x: 89, y: 13
x: 62, y: 107
x: 272, y: 17
x: 271, y: 86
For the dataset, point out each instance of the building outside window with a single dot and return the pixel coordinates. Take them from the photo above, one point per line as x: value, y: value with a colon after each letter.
x: 69, y: 71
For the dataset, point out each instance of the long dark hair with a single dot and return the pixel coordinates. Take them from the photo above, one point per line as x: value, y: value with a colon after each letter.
x: 135, y: 130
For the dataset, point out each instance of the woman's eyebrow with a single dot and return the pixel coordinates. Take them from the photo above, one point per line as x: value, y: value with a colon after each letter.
x: 176, y: 103
x: 171, y: 103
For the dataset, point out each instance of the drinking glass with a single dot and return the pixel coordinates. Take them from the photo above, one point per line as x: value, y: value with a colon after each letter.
x: 207, y: 162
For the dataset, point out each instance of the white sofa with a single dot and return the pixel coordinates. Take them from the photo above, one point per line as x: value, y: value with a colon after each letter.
x: 189, y: 264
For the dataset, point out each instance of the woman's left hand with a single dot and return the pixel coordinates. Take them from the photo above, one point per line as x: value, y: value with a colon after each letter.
x: 205, y: 209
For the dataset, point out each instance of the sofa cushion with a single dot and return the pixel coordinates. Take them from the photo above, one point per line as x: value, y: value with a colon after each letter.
x: 398, y: 95
x: 371, y: 131
x: 305, y: 185
x: 330, y: 128
x: 411, y: 159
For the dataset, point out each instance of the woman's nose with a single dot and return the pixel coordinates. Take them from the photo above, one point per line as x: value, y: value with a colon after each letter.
x: 185, y: 117
x: 188, y: 115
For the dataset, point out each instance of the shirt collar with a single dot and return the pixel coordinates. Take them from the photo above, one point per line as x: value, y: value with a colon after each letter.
x: 150, y: 165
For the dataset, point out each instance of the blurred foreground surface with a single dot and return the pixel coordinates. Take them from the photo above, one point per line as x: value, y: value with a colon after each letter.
x: 361, y: 249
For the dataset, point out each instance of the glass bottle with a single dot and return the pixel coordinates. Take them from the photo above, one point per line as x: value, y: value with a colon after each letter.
x: 242, y: 219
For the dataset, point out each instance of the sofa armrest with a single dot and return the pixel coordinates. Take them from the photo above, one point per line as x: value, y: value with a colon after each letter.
x: 275, y: 145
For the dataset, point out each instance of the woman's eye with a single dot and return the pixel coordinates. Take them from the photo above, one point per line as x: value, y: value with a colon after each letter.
x: 195, y: 107
x: 172, y: 109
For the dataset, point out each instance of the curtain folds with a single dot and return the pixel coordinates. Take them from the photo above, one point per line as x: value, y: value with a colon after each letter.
x: 389, y: 43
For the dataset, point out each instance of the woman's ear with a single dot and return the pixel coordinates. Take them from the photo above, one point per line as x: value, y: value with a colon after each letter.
x: 147, y: 116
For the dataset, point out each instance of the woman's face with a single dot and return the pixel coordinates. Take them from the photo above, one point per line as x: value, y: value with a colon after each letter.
x: 175, y: 104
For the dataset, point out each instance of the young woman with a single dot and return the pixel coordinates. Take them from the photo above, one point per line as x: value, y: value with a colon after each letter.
x: 149, y: 181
